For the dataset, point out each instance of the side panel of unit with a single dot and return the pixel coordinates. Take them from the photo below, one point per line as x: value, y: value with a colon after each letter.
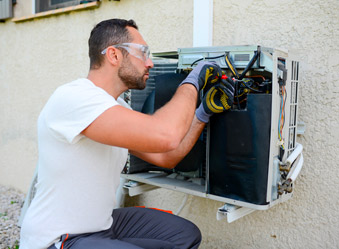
x: 239, y: 151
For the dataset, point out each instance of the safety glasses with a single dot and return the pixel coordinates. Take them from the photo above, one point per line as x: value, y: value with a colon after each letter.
x: 139, y: 51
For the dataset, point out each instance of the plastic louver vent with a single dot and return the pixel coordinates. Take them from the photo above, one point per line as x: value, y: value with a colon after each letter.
x: 293, y: 106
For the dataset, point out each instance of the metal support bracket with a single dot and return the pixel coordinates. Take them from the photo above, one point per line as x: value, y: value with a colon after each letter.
x: 232, y: 212
x: 133, y: 188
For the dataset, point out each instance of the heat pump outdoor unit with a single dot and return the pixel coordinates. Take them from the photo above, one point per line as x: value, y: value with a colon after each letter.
x: 247, y: 157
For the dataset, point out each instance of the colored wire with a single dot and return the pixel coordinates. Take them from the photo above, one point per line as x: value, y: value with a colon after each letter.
x: 231, y: 66
x: 283, y: 120
x: 282, y: 115
x: 241, y: 94
x: 257, y: 76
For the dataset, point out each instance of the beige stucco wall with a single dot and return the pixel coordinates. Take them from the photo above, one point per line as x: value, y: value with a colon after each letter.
x: 37, y: 56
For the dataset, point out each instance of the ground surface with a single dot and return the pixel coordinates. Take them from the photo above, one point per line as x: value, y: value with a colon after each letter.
x: 11, y: 201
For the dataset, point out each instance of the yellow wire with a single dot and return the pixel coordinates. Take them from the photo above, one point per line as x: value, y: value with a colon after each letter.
x: 230, y: 65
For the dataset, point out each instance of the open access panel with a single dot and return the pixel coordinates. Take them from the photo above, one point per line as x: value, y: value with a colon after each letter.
x: 247, y: 157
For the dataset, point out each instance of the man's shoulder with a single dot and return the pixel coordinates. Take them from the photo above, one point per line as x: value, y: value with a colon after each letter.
x: 78, y: 83
x: 80, y: 88
x: 77, y: 93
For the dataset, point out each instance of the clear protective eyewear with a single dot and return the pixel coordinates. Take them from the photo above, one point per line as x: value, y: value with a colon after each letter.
x: 142, y: 52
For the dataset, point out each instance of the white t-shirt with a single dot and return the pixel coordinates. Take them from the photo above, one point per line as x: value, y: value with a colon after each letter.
x: 77, y: 177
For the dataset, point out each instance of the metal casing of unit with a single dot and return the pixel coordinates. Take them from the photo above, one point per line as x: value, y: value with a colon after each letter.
x: 241, y: 56
x: 276, y: 189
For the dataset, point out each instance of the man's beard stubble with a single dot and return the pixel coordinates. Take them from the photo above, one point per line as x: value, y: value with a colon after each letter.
x: 130, y: 76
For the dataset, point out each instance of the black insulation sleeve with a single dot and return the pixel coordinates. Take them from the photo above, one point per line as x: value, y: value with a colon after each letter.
x: 208, y: 58
x: 250, y: 64
x: 255, y: 90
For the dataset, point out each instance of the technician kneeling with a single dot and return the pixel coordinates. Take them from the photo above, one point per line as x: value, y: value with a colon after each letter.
x: 84, y: 133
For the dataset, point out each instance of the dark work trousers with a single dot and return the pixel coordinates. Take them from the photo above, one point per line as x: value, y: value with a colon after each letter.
x: 136, y: 228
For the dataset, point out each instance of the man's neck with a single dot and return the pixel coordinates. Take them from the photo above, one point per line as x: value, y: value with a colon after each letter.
x: 110, y: 82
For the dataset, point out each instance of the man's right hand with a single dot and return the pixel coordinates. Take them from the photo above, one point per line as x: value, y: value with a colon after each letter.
x: 203, y: 74
x: 216, y: 100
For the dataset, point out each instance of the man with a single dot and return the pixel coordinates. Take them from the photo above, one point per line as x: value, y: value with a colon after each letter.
x: 84, y: 133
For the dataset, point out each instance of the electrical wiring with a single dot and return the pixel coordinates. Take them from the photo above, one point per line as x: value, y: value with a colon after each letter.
x: 237, y: 91
x: 245, y: 84
x: 257, y: 76
x: 250, y: 64
x: 282, y: 116
x: 279, y: 125
x: 231, y: 66
x: 283, y: 120
x: 243, y: 100
x: 242, y: 89
x: 197, y: 61
x: 207, y: 58
x: 241, y: 94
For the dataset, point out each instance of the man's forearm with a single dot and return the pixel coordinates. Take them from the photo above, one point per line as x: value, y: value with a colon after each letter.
x: 160, y: 132
x: 178, y: 113
x: 171, y: 158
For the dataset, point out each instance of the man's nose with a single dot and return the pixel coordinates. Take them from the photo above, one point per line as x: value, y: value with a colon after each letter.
x: 149, y: 63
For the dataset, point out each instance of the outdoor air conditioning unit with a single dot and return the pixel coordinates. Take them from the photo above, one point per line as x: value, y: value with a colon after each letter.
x: 247, y: 157
x: 6, y: 9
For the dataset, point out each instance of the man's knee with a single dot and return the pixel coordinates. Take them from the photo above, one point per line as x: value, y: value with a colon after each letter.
x: 192, y: 232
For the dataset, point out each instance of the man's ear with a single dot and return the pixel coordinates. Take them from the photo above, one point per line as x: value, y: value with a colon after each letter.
x: 113, y: 55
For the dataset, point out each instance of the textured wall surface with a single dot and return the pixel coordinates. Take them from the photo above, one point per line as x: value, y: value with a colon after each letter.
x: 310, y: 31
x: 37, y: 56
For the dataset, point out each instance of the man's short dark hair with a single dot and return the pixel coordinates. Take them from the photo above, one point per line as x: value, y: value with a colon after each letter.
x: 107, y: 33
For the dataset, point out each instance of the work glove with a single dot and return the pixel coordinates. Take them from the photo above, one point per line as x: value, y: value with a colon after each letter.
x: 229, y: 85
x: 205, y: 73
x: 218, y: 98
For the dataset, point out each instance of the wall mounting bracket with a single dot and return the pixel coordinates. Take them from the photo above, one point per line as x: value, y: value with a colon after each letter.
x: 232, y: 212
